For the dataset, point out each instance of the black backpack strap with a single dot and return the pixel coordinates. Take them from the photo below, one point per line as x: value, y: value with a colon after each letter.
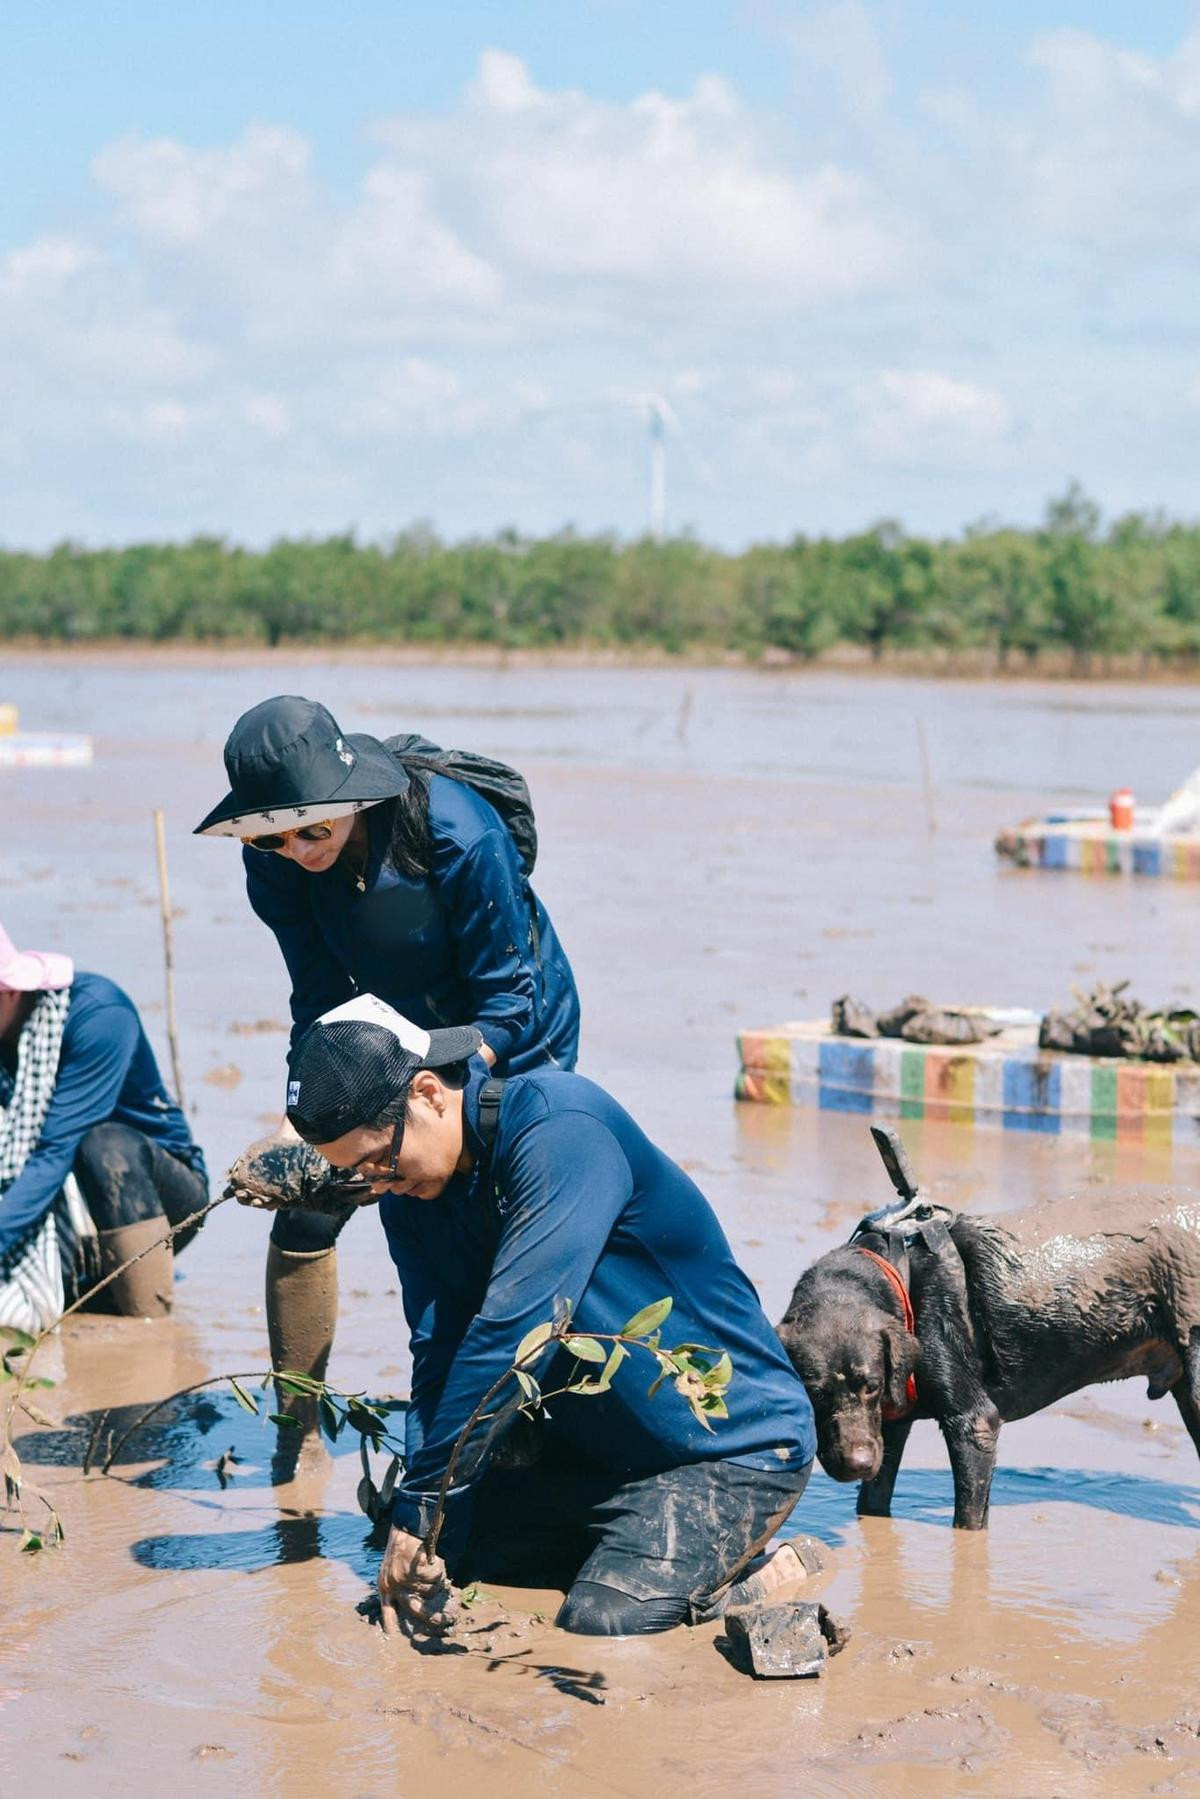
x: 490, y: 1095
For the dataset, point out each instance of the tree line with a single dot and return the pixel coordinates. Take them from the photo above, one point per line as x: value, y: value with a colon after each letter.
x: 1069, y: 587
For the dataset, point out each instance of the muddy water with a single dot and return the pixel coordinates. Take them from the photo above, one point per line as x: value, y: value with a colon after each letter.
x: 720, y: 848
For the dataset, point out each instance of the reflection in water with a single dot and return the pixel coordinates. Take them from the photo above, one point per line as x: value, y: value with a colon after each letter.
x: 927, y: 1496
x: 186, y: 1439
x: 291, y: 1538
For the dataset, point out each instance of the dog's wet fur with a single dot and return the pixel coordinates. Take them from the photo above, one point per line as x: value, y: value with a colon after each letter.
x: 1012, y: 1314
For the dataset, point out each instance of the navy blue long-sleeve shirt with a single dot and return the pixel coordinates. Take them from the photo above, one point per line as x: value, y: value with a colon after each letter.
x: 459, y: 946
x: 106, y: 1072
x: 574, y: 1202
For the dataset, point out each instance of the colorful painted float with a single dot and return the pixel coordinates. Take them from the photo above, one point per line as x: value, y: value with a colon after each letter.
x: 40, y: 749
x: 1006, y: 1082
x: 1123, y: 839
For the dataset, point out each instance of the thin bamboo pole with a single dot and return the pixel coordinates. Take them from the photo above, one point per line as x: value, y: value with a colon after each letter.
x: 164, y: 896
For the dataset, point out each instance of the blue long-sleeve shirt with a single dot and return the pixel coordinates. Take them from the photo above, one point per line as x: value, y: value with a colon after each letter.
x: 468, y: 944
x: 106, y: 1072
x: 574, y: 1202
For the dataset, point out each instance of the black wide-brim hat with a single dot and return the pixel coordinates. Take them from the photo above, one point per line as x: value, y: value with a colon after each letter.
x: 289, y: 762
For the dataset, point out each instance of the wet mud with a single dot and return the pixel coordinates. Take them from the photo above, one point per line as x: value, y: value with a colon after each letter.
x: 739, y: 868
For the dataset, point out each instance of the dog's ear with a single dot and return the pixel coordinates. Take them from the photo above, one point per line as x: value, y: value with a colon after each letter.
x: 901, y: 1353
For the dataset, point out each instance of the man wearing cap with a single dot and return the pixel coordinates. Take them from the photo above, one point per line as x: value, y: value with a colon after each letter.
x: 96, y: 1160
x: 502, y: 1200
x: 378, y: 872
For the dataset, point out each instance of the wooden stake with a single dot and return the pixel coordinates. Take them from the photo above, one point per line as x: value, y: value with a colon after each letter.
x: 164, y: 896
x: 926, y: 779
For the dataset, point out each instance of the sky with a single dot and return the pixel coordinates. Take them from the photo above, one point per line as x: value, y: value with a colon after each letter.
x: 276, y: 267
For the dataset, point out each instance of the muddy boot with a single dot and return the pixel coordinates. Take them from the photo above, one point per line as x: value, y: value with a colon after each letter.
x: 143, y: 1291
x: 302, y: 1297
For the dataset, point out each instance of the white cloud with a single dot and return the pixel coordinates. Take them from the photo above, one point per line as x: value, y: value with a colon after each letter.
x: 657, y: 194
x: 842, y: 40
x: 154, y: 422
x: 180, y: 195
x: 668, y: 192
x: 1113, y: 158
x: 395, y: 249
x: 268, y: 414
x: 45, y: 263
x: 418, y: 395
x: 911, y: 413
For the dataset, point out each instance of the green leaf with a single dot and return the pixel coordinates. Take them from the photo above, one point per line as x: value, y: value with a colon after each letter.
x: 359, y: 1419
x: 699, y: 1415
x: 532, y: 1343
x: 528, y: 1386
x: 297, y: 1383
x: 720, y: 1374
x: 648, y: 1319
x: 286, y: 1419
x: 331, y: 1419
x: 20, y: 1338
x: 389, y: 1482
x: 243, y: 1398
x: 30, y: 1542
x: 603, y: 1381
x: 586, y: 1349
x: 38, y: 1380
x: 714, y: 1406
x: 368, y: 1497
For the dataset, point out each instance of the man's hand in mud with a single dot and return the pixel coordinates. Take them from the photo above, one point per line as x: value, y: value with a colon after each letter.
x: 415, y: 1594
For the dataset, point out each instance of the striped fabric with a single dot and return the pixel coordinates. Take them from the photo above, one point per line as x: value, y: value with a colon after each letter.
x: 32, y: 1285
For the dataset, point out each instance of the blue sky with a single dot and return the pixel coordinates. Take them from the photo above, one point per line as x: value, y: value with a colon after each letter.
x: 287, y: 268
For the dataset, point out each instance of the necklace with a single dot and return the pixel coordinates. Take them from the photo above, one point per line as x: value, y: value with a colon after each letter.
x: 358, y: 875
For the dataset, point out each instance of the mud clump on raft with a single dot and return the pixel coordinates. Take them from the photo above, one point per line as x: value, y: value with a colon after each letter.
x: 1105, y: 1022
x: 915, y: 1019
x: 788, y: 1640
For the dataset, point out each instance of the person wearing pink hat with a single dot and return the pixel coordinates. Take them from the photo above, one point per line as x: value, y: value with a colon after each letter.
x: 96, y: 1159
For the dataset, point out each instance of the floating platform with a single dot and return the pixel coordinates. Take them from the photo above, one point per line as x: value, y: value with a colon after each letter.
x: 44, y: 749
x: 1006, y: 1082
x: 1091, y: 846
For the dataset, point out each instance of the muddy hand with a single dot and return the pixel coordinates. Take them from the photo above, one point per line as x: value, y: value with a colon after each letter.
x: 415, y: 1595
x: 277, y: 1171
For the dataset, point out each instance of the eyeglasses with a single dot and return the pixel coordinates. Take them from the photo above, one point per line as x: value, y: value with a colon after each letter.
x: 275, y: 840
x: 397, y: 1142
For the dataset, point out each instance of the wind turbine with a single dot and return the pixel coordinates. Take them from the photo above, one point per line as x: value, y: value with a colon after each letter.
x: 659, y: 414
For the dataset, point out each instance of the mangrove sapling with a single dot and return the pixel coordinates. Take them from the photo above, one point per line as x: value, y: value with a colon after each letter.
x: 699, y: 1373
x: 17, y: 1381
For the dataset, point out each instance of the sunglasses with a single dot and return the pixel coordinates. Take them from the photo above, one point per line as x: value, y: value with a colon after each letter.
x: 275, y: 840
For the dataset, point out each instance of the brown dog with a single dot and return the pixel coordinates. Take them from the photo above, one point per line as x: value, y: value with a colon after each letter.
x: 973, y: 1321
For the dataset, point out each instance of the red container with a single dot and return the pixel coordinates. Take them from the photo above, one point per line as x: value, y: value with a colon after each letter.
x: 1120, y: 810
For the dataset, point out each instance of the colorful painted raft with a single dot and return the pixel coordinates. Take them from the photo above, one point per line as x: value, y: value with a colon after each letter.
x: 1006, y: 1082
x: 1090, y: 845
x: 44, y: 749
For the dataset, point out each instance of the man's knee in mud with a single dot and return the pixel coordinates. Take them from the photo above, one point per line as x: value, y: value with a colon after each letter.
x: 594, y: 1610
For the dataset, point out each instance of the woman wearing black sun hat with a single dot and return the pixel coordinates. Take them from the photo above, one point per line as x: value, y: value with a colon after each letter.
x: 380, y: 872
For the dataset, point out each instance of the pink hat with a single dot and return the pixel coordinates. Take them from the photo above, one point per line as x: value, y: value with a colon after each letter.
x: 32, y: 970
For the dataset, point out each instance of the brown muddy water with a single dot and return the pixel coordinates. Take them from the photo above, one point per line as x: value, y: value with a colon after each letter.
x: 720, y: 848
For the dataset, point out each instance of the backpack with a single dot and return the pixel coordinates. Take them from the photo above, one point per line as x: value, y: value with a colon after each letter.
x: 501, y: 786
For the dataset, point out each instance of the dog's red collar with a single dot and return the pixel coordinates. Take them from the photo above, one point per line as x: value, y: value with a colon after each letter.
x: 910, y: 1325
